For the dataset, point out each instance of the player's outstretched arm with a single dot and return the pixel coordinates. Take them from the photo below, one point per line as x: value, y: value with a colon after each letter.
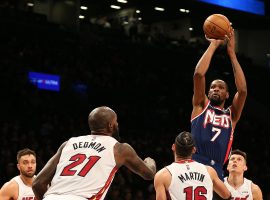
x: 45, y: 176
x: 10, y: 190
x: 126, y: 155
x: 240, y: 81
x: 256, y: 192
x: 218, y: 185
x: 162, y: 181
x: 199, y: 97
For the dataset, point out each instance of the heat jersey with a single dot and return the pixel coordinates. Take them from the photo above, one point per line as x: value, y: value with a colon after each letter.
x: 213, y: 134
x: 25, y: 192
x: 190, y: 180
x: 85, y: 170
x: 243, y: 192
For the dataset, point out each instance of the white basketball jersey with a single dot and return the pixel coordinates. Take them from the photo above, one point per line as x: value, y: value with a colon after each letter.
x: 25, y: 192
x: 243, y: 192
x: 85, y: 170
x: 190, y: 181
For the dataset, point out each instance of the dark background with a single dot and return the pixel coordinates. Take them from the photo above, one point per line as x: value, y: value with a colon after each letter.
x: 146, y: 77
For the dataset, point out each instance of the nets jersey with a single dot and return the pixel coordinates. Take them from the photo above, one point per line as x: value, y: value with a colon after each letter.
x: 25, y: 192
x: 85, y: 170
x: 243, y: 192
x: 213, y: 134
x: 190, y: 181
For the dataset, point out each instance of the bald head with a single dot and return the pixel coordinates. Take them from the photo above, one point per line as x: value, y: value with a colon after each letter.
x: 101, y: 118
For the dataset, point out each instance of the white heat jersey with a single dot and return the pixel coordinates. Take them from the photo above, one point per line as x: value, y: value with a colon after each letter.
x: 25, y: 192
x: 85, y: 170
x: 190, y: 181
x: 243, y: 192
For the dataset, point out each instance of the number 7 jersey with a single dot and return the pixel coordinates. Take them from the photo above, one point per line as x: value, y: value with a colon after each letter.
x: 213, y: 134
x: 85, y: 170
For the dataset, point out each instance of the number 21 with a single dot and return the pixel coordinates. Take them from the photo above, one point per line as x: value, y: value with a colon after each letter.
x: 78, y: 159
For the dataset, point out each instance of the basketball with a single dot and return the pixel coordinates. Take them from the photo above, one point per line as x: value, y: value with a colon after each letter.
x: 216, y: 26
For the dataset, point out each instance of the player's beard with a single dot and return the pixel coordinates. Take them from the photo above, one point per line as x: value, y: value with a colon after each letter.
x: 215, y: 101
x: 28, y: 174
x: 115, y: 133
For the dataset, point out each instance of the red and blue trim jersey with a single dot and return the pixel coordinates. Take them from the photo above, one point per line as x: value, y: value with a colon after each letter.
x: 213, y: 134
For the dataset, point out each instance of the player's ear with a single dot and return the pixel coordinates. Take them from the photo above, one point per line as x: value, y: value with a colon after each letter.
x: 245, y: 168
x: 208, y: 94
x: 227, y: 95
x: 194, y: 150
x: 18, y: 166
x: 110, y: 126
x: 173, y: 147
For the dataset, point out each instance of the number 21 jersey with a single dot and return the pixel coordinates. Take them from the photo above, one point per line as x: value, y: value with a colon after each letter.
x: 85, y: 170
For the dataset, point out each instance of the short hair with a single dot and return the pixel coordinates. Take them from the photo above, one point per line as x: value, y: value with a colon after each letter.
x: 184, y: 144
x: 24, y: 152
x: 239, y: 152
x: 226, y: 85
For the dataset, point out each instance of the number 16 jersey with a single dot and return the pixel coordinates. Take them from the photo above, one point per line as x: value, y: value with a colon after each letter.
x: 85, y: 170
x: 190, y: 181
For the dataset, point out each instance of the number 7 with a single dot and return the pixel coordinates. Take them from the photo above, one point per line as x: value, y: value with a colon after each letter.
x: 218, y: 131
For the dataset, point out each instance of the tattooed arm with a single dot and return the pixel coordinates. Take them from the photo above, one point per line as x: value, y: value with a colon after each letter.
x: 127, y: 156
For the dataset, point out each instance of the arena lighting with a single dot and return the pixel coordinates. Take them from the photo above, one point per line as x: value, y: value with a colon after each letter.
x: 159, y: 9
x: 81, y: 16
x: 84, y: 8
x: 122, y: 1
x: 115, y: 7
x: 251, y: 6
x: 182, y: 10
x: 138, y: 11
x: 30, y: 4
x: 190, y: 29
x: 140, y: 18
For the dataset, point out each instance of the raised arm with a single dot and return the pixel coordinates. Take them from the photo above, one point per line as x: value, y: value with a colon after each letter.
x: 126, y: 155
x: 45, y: 176
x: 218, y: 185
x: 199, y: 97
x: 240, y: 81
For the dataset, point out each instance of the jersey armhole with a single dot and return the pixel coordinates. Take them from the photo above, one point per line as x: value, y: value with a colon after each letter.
x: 203, y: 110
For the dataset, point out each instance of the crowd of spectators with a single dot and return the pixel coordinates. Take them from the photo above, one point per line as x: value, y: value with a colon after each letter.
x: 149, y: 85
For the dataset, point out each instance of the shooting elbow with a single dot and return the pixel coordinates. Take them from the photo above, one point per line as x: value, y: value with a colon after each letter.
x: 197, y: 75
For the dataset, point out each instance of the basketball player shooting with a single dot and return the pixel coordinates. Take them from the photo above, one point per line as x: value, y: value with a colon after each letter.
x: 212, y: 125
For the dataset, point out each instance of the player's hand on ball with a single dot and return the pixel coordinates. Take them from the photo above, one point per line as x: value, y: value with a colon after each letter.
x: 217, y: 42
